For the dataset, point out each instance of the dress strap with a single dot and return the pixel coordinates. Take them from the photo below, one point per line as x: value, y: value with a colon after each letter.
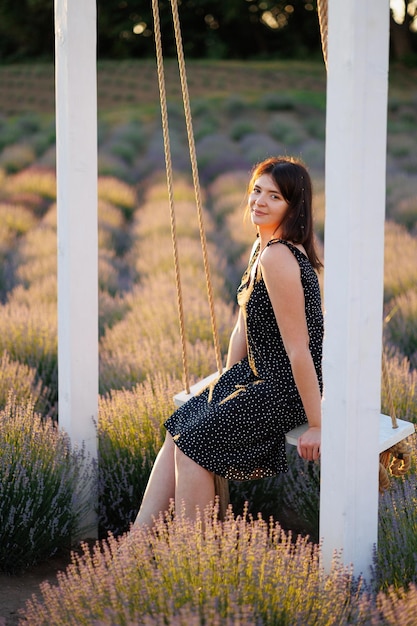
x: 297, y: 253
x: 284, y: 241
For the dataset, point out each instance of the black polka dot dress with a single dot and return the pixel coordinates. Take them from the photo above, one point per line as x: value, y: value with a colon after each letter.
x: 236, y: 427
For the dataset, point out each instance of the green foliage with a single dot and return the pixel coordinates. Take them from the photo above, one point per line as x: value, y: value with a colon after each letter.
x: 41, y: 488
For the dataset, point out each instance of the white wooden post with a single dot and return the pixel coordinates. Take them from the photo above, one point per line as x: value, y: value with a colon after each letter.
x: 358, y: 37
x: 76, y: 124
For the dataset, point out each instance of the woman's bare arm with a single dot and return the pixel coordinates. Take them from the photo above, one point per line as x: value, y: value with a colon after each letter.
x: 281, y: 274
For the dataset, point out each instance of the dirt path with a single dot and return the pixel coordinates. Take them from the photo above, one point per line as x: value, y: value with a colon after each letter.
x: 15, y: 590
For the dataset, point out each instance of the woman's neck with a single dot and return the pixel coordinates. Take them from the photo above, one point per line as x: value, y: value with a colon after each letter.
x: 266, y: 237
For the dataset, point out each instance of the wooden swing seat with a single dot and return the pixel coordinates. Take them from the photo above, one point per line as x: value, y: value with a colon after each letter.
x: 388, y: 436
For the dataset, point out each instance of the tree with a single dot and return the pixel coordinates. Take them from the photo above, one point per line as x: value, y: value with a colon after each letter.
x: 210, y: 28
x: 26, y: 29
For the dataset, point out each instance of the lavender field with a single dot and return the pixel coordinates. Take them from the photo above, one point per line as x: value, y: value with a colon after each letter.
x: 249, y: 571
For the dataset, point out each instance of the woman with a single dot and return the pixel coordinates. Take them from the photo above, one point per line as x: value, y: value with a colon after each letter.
x: 272, y: 383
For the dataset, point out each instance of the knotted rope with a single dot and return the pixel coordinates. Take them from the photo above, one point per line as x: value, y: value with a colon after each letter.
x: 322, y: 13
x: 396, y: 460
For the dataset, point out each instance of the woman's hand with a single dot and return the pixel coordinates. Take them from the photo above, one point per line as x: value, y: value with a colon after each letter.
x: 308, y: 444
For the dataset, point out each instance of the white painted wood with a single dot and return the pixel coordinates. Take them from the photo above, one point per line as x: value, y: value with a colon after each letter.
x: 388, y: 436
x: 183, y: 396
x: 353, y: 284
x: 76, y: 125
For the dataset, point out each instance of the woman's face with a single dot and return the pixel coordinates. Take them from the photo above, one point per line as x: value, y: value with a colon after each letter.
x: 267, y: 206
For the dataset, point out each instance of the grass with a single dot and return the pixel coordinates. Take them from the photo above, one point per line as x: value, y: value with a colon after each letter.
x: 250, y: 572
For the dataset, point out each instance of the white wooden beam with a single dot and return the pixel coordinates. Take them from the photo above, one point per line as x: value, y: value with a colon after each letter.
x: 358, y: 38
x: 76, y: 125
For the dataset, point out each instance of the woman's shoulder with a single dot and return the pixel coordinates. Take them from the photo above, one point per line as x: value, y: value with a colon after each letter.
x: 279, y: 259
x: 289, y: 245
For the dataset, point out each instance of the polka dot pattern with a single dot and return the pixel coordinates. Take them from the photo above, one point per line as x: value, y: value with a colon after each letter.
x: 236, y: 427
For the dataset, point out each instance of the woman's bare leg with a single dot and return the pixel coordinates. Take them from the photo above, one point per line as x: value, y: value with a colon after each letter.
x: 194, y: 485
x: 160, y: 490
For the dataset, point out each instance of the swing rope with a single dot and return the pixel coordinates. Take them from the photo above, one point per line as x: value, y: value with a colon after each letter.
x: 322, y: 13
x: 168, y: 163
x: 196, y: 182
x: 221, y: 484
x: 395, y: 461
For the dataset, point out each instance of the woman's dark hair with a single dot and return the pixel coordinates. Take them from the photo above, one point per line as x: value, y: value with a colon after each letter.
x: 294, y: 183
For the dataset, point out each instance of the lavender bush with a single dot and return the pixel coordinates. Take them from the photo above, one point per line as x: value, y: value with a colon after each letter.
x: 395, y: 562
x: 138, y: 345
x: 24, y: 382
x: 244, y: 569
x: 29, y: 336
x: 399, y: 277
x: 401, y: 329
x: 16, y: 157
x: 41, y: 488
x: 129, y: 431
x: 402, y: 382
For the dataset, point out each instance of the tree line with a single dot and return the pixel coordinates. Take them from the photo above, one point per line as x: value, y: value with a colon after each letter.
x: 217, y: 29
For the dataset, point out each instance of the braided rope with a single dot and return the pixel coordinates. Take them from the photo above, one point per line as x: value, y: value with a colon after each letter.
x: 168, y: 162
x: 194, y: 168
x: 323, y: 21
x: 385, y: 377
x: 395, y: 461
